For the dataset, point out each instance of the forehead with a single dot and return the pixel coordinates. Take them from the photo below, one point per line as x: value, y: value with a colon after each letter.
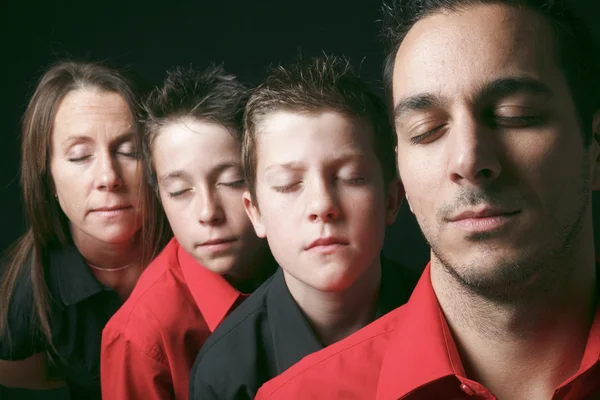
x: 86, y: 112
x: 187, y: 142
x: 287, y: 136
x: 454, y: 53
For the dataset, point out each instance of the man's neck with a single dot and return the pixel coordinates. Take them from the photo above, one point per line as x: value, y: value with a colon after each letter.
x: 112, y: 256
x: 521, y: 350
x: 336, y: 315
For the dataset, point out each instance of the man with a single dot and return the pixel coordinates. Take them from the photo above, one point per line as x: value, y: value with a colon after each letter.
x: 494, y: 107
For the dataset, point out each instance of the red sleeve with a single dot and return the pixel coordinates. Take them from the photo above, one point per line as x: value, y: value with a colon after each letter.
x: 130, y: 372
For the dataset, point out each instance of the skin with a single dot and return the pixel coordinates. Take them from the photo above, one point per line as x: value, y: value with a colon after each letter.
x: 318, y: 177
x: 202, y: 196
x: 486, y: 123
x: 93, y: 164
x: 95, y: 167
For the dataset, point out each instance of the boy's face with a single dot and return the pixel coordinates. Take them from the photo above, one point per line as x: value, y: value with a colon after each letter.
x: 200, y: 182
x: 321, y: 199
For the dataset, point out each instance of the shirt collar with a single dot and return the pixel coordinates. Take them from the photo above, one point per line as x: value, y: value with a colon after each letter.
x: 286, y: 321
x: 214, y: 296
x: 423, y: 351
x: 72, y: 277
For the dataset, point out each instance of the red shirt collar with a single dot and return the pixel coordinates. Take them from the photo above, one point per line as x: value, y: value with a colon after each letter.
x: 423, y: 351
x: 214, y: 296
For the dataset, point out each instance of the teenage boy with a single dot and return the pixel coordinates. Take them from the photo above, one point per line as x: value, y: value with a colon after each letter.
x: 192, y: 147
x: 322, y: 186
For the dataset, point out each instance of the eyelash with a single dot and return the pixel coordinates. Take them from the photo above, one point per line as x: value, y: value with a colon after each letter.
x: 177, y: 193
x: 132, y: 154
x: 234, y: 184
x: 510, y: 122
x: 521, y: 122
x: 419, y: 138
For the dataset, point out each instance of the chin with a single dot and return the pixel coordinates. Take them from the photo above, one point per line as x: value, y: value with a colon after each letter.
x: 333, y: 279
x: 221, y: 266
x: 117, y: 236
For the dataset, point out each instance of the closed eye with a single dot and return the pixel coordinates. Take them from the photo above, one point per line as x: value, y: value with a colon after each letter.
x: 518, y: 121
x: 428, y: 136
x: 234, y: 184
x: 178, y: 193
x: 286, y: 188
x: 79, y: 159
x: 354, y: 181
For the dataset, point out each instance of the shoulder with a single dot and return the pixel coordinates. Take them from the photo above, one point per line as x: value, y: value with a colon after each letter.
x: 357, y: 358
x: 23, y: 337
x: 160, y: 303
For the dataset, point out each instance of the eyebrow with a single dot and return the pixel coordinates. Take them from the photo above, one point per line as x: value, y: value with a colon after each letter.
x: 498, y: 88
x: 297, y: 166
x: 174, y: 175
x: 507, y: 86
x: 225, y: 166
x: 416, y: 103
x: 85, y: 139
x: 181, y: 174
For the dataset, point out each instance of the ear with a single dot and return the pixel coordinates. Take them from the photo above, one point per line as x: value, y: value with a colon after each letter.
x: 395, y: 196
x: 254, y: 215
x: 409, y: 205
x: 595, y: 152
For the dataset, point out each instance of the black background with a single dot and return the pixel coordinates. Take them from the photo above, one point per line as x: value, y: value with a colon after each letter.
x: 247, y: 36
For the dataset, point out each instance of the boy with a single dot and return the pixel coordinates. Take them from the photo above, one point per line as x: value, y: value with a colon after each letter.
x: 322, y: 186
x: 192, y: 148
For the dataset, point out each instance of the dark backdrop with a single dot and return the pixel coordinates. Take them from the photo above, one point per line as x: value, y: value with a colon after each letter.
x: 247, y: 36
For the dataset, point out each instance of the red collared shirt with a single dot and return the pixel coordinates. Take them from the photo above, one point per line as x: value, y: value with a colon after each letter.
x: 408, y: 354
x: 150, y: 344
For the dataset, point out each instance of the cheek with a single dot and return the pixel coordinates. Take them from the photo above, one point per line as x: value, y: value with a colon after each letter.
x: 177, y: 215
x: 233, y: 205
x: 132, y: 174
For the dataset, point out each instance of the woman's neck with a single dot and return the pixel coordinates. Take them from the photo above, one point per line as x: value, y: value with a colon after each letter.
x: 115, y: 265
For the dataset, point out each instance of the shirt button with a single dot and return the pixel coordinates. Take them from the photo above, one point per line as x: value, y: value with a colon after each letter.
x: 465, y: 388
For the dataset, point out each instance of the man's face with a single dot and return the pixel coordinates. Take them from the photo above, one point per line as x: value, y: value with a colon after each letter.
x: 490, y: 149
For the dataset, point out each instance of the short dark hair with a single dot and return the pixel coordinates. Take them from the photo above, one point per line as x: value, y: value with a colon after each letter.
x: 574, y: 44
x: 211, y: 95
x: 310, y: 86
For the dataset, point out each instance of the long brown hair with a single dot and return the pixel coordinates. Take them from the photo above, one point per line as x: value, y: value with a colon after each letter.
x: 48, y: 226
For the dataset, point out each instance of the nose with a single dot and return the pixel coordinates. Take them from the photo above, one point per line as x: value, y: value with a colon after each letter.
x: 210, y: 210
x: 108, y: 173
x: 473, y: 154
x: 322, y: 202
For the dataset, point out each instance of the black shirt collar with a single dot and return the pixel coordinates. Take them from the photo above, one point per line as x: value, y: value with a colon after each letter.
x: 286, y: 321
x: 72, y: 277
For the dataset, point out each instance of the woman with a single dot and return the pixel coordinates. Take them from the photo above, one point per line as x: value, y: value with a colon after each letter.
x: 192, y: 146
x: 84, y: 250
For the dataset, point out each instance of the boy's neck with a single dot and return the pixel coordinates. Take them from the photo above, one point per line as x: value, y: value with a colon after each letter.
x: 337, y: 314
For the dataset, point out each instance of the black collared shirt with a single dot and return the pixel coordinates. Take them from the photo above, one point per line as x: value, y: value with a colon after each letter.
x: 80, y: 307
x: 268, y: 333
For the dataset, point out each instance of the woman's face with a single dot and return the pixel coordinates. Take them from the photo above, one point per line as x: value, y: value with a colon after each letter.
x: 95, y: 167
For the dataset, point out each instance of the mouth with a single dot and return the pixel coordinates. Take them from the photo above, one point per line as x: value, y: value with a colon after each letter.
x: 111, y: 211
x: 218, y: 244
x: 483, y: 220
x: 327, y: 244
